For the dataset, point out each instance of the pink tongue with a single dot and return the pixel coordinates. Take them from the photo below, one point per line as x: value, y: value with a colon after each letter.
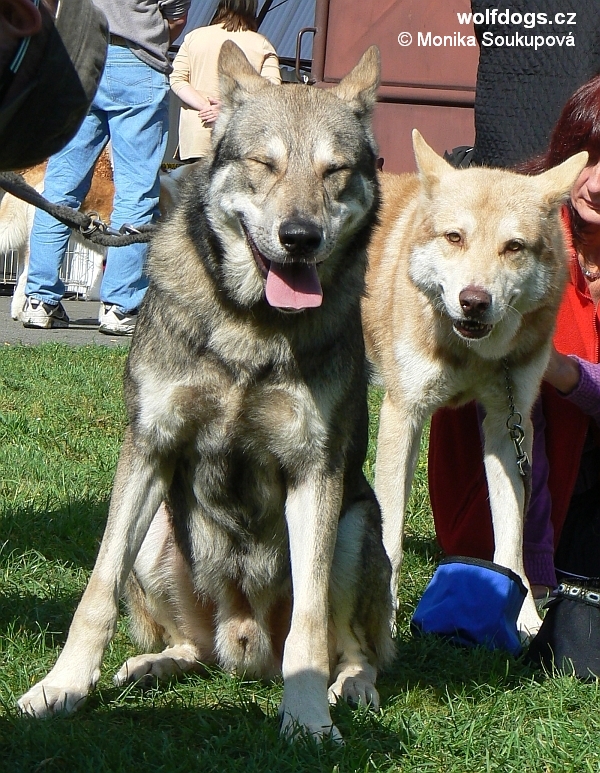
x: 293, y: 286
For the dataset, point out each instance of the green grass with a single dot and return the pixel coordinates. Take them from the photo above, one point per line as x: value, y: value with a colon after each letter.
x: 443, y: 709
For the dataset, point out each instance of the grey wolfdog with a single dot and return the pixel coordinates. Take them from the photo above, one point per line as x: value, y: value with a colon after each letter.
x: 240, y: 520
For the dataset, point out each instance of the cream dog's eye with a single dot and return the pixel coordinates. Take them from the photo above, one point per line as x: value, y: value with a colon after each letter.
x: 454, y: 237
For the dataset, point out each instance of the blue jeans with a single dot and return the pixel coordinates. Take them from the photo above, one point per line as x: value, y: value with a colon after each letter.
x: 131, y: 109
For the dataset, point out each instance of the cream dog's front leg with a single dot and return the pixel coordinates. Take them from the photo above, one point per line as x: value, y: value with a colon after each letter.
x: 312, y: 513
x: 137, y: 493
x: 507, y: 501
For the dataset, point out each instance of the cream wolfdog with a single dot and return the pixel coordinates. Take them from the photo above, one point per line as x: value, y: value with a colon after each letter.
x: 465, y: 276
x: 240, y: 518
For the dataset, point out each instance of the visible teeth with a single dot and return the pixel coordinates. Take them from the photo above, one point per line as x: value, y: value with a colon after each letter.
x: 471, y: 327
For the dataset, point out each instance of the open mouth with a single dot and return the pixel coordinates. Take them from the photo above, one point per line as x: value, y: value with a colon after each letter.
x: 291, y: 286
x: 468, y: 328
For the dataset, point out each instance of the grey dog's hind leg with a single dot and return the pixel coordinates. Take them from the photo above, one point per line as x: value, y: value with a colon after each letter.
x: 145, y: 630
x: 361, y: 606
x: 164, y: 609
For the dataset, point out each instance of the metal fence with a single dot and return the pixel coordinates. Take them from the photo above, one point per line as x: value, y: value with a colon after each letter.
x: 79, y: 269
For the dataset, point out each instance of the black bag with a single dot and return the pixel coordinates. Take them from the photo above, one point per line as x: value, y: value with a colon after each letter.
x: 460, y: 157
x: 568, y: 641
x: 578, y: 552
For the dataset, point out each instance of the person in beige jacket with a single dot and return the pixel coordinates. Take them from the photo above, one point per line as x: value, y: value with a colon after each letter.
x: 194, y: 78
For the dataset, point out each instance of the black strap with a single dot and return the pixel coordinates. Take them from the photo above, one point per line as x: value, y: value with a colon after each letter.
x: 579, y: 593
x: 88, y: 225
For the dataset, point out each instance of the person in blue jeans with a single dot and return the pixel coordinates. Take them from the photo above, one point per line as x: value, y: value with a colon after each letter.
x: 131, y: 110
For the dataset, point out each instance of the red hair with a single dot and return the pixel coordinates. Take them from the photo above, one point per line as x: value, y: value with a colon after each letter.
x: 577, y: 129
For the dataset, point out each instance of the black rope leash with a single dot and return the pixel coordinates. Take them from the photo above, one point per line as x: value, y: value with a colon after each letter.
x: 90, y: 226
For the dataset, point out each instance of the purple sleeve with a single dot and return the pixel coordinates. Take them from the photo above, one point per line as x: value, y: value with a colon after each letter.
x: 586, y: 395
x: 538, y: 536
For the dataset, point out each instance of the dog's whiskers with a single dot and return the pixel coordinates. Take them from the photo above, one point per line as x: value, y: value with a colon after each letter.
x: 513, y: 310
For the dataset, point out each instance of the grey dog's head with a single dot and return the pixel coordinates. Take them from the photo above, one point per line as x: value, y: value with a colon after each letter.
x: 292, y: 182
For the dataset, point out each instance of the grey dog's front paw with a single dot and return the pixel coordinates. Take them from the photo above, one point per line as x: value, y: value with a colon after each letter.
x: 294, y: 729
x: 356, y: 691
x: 148, y: 670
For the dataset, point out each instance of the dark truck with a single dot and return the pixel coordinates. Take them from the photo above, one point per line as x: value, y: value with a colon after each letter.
x: 429, y: 64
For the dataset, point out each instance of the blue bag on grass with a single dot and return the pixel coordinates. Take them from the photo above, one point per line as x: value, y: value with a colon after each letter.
x: 472, y: 602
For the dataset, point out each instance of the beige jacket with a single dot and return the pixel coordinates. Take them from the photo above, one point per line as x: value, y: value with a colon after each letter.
x: 196, y: 65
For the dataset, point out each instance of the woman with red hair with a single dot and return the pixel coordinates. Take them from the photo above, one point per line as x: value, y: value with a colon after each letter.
x: 562, y: 526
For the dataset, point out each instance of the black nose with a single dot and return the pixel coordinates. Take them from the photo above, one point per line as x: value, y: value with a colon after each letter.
x: 474, y: 301
x: 300, y: 236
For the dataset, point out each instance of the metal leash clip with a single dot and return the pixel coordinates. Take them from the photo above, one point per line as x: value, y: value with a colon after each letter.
x: 515, y: 430
x: 96, y: 224
x: 127, y: 228
x: 517, y: 435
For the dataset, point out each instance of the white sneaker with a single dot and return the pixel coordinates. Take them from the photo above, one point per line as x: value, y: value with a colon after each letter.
x: 115, y: 322
x: 43, y: 315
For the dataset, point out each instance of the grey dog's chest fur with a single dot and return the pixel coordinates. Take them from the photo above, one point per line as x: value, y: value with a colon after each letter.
x: 238, y: 438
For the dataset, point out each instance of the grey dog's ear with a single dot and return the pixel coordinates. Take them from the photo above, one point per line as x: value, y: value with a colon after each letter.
x: 237, y: 78
x: 359, y: 87
x: 238, y: 82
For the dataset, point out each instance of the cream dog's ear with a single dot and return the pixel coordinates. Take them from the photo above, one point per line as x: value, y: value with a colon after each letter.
x: 557, y: 182
x: 430, y: 166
